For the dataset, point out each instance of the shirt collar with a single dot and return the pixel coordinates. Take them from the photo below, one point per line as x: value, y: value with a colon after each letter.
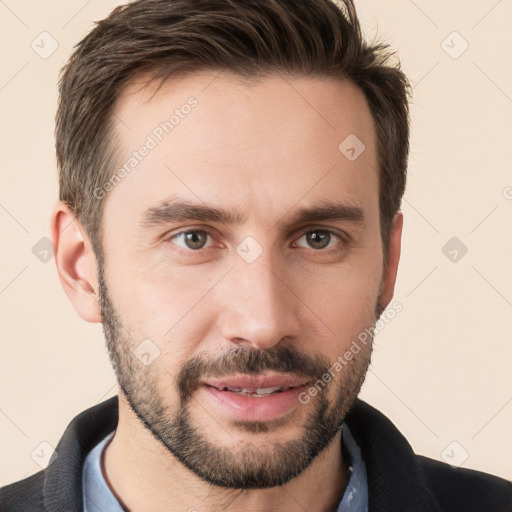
x: 355, y: 498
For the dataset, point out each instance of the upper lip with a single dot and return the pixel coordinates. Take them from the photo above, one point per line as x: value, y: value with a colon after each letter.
x: 257, y: 381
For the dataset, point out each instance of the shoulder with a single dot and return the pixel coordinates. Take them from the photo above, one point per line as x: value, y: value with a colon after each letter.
x: 26, y: 494
x: 398, y: 479
x: 59, y: 485
x: 466, y: 489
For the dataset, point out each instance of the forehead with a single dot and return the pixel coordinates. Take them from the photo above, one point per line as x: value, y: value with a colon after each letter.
x: 261, y: 146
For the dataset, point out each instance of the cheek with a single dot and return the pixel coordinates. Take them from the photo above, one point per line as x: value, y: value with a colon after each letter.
x: 345, y: 302
x: 158, y: 301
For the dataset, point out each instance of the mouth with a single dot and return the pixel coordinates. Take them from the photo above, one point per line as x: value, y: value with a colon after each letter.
x: 261, y: 385
x: 255, y: 398
x: 255, y: 392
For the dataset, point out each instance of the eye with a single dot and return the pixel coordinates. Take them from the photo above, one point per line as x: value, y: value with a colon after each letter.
x: 193, y: 239
x: 319, y: 239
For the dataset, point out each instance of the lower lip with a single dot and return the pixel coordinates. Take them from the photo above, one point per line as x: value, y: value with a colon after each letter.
x: 249, y: 408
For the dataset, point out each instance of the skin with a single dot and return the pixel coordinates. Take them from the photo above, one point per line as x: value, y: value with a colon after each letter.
x: 263, y: 150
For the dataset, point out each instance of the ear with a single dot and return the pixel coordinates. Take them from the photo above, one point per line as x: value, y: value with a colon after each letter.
x: 76, y: 262
x: 387, y: 287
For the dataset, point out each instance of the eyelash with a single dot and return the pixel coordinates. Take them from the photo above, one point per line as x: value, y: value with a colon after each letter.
x: 345, y: 239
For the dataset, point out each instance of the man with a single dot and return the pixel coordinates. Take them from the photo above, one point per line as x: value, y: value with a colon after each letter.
x: 230, y: 182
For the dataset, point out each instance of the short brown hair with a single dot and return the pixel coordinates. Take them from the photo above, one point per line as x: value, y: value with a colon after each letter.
x: 248, y: 37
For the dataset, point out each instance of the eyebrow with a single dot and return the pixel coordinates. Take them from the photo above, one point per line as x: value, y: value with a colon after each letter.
x: 176, y: 210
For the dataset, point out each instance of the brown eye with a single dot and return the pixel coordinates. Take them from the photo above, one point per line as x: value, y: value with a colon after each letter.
x: 319, y: 239
x: 193, y: 240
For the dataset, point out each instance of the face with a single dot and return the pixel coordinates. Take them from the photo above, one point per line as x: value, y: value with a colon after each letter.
x: 243, y: 257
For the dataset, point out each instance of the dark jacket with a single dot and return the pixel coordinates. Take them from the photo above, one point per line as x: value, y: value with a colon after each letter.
x: 398, y: 480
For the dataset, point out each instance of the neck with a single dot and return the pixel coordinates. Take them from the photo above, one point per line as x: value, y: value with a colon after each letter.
x: 144, y: 475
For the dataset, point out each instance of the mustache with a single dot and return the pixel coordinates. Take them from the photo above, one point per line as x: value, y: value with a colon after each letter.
x: 248, y: 361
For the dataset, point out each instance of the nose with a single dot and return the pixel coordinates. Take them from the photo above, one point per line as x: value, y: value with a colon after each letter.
x: 260, y: 307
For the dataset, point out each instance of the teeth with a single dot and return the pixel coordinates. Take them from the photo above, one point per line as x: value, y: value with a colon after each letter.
x: 267, y: 391
x: 254, y: 392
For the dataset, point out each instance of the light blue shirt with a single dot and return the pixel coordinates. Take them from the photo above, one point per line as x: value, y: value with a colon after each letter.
x: 355, y: 498
x: 98, y: 497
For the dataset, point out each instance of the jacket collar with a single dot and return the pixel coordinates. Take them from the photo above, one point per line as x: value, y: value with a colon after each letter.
x: 396, y: 481
x: 62, y: 490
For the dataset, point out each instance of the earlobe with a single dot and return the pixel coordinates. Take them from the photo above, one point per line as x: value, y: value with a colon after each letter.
x: 387, y: 288
x: 76, y: 262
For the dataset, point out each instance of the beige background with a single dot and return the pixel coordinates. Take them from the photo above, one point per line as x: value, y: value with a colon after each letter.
x: 441, y: 368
